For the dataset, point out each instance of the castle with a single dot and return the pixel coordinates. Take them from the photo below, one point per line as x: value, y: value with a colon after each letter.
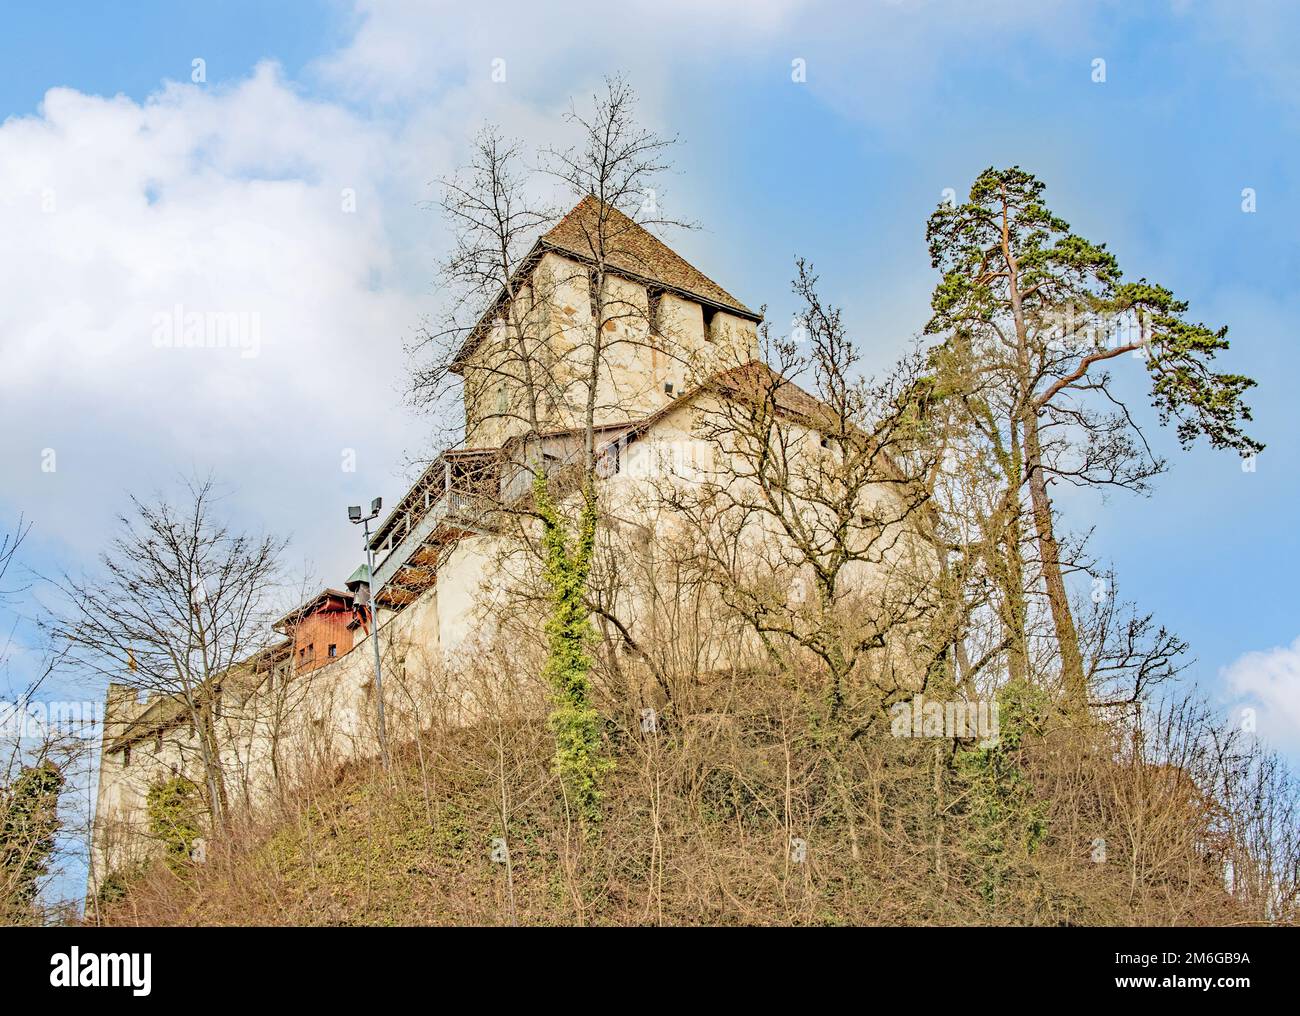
x: 675, y: 343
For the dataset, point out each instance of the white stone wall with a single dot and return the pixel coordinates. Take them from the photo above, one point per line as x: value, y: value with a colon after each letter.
x: 270, y: 740
x: 636, y: 361
x: 274, y: 737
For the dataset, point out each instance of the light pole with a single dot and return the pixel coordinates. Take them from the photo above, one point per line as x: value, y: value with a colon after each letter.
x: 355, y: 517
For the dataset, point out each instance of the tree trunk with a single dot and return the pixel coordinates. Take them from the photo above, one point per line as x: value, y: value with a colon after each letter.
x: 1049, y: 550
x: 199, y: 719
x: 1013, y: 593
x: 1011, y: 570
x: 211, y: 755
x: 1067, y: 637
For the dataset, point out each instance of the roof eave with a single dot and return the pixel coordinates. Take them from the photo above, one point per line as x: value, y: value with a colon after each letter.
x: 475, y: 335
x: 738, y: 309
x: 304, y: 608
x: 542, y: 245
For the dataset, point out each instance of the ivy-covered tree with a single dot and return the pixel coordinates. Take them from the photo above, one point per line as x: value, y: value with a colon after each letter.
x: 535, y: 372
x: 579, y: 759
x: 175, y: 811
x: 29, y: 821
x: 1043, y: 310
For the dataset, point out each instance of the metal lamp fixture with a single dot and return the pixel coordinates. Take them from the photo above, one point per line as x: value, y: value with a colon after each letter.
x: 355, y: 517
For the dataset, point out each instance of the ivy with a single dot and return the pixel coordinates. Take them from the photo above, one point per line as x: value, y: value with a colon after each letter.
x: 1006, y: 823
x: 174, y: 809
x: 579, y: 760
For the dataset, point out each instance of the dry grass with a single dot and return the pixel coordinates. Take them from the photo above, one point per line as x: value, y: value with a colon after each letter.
x: 699, y: 819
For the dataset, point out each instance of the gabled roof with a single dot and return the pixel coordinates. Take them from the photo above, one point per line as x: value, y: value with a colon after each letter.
x: 635, y: 251
x: 630, y: 250
x: 754, y: 381
x: 321, y: 599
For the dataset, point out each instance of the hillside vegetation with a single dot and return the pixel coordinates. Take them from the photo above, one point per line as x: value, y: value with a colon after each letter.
x: 746, y: 815
x: 716, y: 689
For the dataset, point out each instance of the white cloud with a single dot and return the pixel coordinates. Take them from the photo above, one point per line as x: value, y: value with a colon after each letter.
x: 1270, y: 679
x: 407, y: 48
x: 228, y: 199
x: 879, y: 61
x: 225, y: 201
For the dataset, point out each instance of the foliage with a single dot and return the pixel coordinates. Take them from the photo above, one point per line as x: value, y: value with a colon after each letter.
x: 1007, y: 822
x: 579, y: 760
x: 29, y: 821
x: 116, y: 885
x: 1055, y: 271
x: 174, y: 810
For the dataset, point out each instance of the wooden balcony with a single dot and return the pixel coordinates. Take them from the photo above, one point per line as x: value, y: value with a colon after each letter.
x: 436, y: 512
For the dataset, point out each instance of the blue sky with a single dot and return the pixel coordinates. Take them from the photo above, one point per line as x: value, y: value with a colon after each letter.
x: 133, y: 188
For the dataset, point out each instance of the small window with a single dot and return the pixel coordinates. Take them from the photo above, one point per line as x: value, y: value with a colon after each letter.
x: 126, y: 756
x: 610, y: 460
x: 334, y: 650
x: 668, y: 389
x: 157, y: 743
x: 655, y: 300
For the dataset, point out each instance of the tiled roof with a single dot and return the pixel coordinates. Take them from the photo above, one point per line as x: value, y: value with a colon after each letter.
x: 755, y: 381
x: 631, y: 248
x: 756, y: 384
x: 310, y: 606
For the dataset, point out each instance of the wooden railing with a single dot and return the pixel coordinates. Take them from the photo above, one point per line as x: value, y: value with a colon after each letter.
x: 456, y: 507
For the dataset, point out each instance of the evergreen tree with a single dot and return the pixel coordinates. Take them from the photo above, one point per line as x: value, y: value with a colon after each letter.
x: 1043, y: 310
x: 29, y: 820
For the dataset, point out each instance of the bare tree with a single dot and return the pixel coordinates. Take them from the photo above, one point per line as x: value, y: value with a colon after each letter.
x: 806, y: 515
x: 180, y: 601
x: 45, y: 751
x: 533, y: 367
x: 494, y: 220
